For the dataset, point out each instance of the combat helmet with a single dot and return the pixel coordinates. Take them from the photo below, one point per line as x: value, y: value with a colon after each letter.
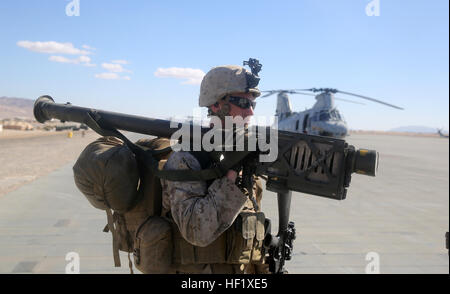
x: 223, y: 80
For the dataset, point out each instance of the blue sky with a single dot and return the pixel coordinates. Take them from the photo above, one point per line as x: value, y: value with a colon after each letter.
x: 400, y: 56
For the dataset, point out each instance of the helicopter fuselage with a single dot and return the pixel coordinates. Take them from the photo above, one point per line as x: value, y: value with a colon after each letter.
x: 323, y: 119
x: 322, y: 123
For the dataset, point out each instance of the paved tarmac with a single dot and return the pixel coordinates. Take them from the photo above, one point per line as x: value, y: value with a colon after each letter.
x: 398, y: 218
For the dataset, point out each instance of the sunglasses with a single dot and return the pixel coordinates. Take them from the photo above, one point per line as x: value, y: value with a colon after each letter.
x: 243, y: 103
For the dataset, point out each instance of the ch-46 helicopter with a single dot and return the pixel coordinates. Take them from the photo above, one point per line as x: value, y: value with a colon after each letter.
x: 322, y: 119
x: 441, y: 134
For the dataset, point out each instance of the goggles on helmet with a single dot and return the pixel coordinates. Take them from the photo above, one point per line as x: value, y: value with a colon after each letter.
x: 241, y: 102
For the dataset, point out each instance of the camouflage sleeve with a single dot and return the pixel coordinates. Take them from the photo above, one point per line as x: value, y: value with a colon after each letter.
x: 201, y: 213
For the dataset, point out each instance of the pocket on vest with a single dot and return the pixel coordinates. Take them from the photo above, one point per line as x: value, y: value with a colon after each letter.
x: 153, y: 246
x: 245, y: 238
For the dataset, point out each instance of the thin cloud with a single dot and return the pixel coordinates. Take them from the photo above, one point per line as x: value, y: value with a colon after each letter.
x: 191, y: 76
x: 83, y: 60
x: 89, y: 64
x: 87, y: 47
x: 107, y: 76
x: 111, y: 76
x: 114, y: 67
x: 52, y: 47
x: 86, y: 61
x: 63, y: 59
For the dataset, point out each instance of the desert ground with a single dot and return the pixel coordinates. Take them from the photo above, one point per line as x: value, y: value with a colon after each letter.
x: 28, y: 155
x: 392, y: 223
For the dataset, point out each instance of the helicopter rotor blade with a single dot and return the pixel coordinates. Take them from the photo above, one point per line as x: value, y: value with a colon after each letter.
x: 300, y: 93
x: 271, y: 92
x: 268, y: 94
x: 314, y: 90
x: 336, y: 98
x: 371, y: 99
x: 349, y: 101
x: 311, y: 89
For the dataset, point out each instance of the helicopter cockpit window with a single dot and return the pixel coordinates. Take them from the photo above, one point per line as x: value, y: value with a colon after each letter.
x: 335, y: 114
x: 338, y: 115
x: 324, y: 115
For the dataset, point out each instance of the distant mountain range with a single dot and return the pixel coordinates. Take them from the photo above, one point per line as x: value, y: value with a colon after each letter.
x: 11, y: 107
x: 415, y: 129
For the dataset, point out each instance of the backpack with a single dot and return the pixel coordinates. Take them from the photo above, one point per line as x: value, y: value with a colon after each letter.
x: 134, y: 206
x: 110, y: 177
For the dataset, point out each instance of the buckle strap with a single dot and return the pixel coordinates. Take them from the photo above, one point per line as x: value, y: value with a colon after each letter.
x: 115, y: 238
x: 130, y: 264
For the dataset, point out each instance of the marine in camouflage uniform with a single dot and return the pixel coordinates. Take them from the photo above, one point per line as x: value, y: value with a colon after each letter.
x: 218, y: 227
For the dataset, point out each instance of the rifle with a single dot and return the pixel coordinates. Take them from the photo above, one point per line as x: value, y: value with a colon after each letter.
x: 320, y: 166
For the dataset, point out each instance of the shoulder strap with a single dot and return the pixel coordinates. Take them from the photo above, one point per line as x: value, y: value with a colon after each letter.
x: 115, y: 237
x: 203, y: 158
x: 218, y: 170
x: 206, y: 160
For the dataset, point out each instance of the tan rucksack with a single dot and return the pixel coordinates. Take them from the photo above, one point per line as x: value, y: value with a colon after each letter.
x: 109, y: 176
x: 123, y: 179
